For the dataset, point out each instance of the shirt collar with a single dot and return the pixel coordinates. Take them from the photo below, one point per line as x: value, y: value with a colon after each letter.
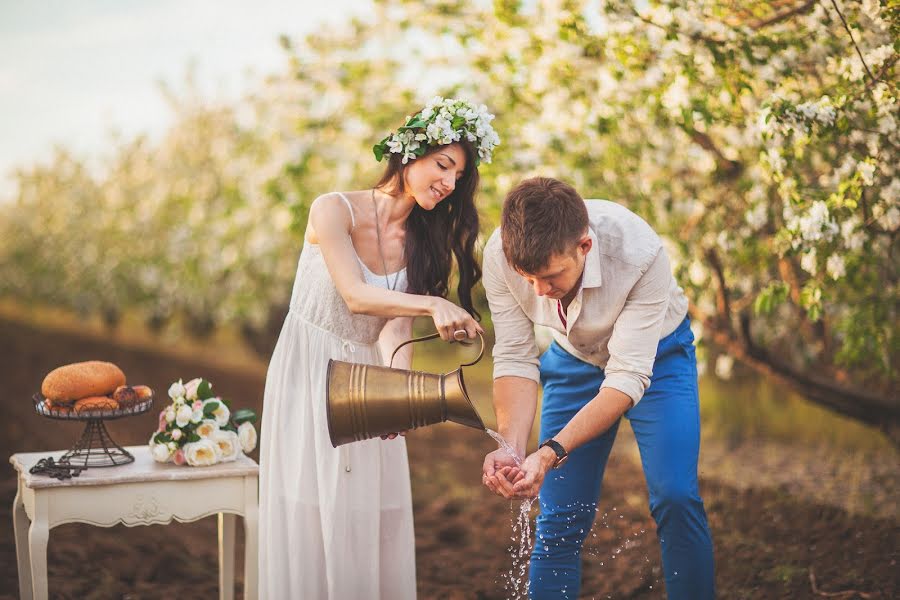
x: 592, y: 277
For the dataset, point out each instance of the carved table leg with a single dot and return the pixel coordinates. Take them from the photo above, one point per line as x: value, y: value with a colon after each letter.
x: 38, y: 534
x: 226, y: 556
x: 251, y: 538
x: 23, y: 555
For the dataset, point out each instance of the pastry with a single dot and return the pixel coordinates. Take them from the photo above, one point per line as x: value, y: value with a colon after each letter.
x: 82, y: 380
x: 126, y: 396
x: 57, y: 409
x: 93, y: 403
x: 143, y: 392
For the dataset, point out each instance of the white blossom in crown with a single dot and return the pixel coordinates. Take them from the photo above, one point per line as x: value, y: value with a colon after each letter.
x: 442, y: 121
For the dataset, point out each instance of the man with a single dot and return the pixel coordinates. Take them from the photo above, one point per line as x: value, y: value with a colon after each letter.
x: 598, y: 276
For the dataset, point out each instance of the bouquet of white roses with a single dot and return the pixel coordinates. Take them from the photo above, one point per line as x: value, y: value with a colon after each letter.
x: 198, y: 428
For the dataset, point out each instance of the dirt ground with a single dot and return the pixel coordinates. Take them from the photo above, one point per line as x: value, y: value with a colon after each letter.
x: 767, y: 542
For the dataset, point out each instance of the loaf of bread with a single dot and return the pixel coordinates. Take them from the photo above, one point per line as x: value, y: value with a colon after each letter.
x: 82, y: 380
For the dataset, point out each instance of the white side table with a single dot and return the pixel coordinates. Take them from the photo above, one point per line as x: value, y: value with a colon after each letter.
x: 141, y: 493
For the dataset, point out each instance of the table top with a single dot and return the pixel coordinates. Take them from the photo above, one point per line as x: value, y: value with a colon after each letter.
x: 143, y: 469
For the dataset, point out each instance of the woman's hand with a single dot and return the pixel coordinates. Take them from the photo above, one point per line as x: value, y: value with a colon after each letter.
x: 449, y: 318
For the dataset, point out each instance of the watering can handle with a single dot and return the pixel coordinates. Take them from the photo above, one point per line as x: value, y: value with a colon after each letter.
x: 431, y: 337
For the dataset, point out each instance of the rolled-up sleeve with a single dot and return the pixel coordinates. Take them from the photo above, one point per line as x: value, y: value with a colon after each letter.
x: 515, y: 349
x: 635, y: 336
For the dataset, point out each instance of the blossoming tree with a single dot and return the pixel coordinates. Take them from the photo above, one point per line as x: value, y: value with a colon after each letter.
x: 759, y: 138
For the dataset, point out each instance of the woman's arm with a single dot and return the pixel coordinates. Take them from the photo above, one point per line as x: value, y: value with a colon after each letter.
x: 331, y: 221
x: 395, y: 332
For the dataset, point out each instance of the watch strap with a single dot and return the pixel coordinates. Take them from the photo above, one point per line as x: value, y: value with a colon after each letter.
x: 561, y: 453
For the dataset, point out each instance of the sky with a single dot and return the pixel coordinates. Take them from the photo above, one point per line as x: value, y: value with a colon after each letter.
x: 73, y: 71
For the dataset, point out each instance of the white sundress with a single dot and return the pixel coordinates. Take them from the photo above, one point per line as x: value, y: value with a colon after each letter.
x: 334, y: 523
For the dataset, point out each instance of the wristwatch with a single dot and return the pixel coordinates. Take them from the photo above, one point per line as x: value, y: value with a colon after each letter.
x: 561, y: 453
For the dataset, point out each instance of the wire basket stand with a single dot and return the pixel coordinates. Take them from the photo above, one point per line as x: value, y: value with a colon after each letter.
x: 95, y: 448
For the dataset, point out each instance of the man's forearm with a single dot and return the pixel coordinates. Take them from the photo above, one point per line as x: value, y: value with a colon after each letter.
x: 515, y: 402
x: 594, y: 418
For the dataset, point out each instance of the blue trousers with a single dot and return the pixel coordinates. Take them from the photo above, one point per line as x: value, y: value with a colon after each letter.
x: 666, y: 424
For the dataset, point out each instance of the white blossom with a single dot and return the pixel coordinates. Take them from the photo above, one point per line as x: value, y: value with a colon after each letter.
x: 809, y: 262
x: 835, y: 266
x: 724, y: 366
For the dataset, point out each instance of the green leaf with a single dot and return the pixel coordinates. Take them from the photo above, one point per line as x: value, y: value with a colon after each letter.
x: 204, y: 390
x: 243, y: 415
x: 209, y: 408
x: 770, y: 297
x: 193, y: 437
x: 378, y: 149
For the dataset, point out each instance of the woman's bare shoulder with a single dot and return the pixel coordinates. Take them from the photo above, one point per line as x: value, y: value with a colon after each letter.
x: 329, y: 212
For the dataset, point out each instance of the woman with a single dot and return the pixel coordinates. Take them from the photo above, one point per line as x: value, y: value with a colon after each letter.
x: 337, y: 523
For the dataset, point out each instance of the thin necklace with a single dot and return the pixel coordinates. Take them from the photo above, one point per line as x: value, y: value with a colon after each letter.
x: 380, y: 252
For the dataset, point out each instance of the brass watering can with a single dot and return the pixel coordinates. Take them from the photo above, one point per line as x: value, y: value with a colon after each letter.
x: 368, y: 401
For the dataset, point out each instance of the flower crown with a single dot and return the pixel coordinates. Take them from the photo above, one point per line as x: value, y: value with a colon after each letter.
x: 442, y: 121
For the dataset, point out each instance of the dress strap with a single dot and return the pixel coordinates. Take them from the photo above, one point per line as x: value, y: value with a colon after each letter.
x: 349, y: 207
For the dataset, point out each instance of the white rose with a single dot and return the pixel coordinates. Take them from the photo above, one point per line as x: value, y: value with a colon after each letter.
x: 170, y: 414
x: 176, y: 434
x: 202, y: 453
x: 176, y: 390
x: 207, y: 428
x: 183, y: 415
x: 222, y: 414
x: 190, y: 388
x: 247, y: 436
x: 160, y: 452
x: 197, y: 415
x: 229, y: 445
x: 178, y: 401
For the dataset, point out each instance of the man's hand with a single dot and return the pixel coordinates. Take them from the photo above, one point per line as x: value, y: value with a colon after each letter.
x: 500, y: 472
x: 533, y: 470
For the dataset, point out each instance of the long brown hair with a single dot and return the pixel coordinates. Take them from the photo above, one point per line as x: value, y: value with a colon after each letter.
x: 435, y: 237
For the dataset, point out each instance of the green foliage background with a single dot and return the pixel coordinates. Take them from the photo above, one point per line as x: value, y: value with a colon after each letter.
x: 759, y: 138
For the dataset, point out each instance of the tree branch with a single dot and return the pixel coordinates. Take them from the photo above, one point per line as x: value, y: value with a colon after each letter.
x: 850, y: 401
x: 723, y: 309
x: 729, y: 167
x: 853, y: 40
x: 782, y: 16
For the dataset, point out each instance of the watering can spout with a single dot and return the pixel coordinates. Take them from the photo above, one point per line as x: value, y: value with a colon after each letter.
x: 460, y: 408
x: 367, y: 401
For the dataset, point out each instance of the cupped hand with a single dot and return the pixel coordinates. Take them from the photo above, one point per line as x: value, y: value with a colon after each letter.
x: 449, y: 318
x: 500, y: 472
x: 534, y: 468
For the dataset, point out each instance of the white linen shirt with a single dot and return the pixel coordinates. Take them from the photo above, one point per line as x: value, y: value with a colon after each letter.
x: 628, y: 301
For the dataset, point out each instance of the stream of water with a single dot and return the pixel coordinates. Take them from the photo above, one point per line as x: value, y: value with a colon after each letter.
x: 516, y: 579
